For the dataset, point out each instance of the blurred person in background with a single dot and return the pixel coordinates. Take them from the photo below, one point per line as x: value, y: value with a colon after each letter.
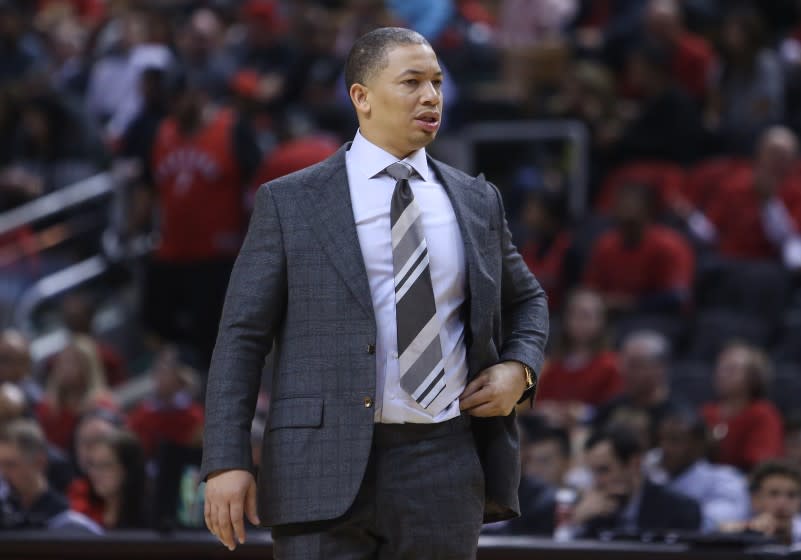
x: 749, y: 89
x: 681, y: 465
x: 16, y: 365
x: 113, y: 97
x: 65, y: 37
x: 588, y: 93
x: 639, y: 265
x: 32, y: 503
x: 775, y: 503
x: 754, y: 211
x: 12, y: 402
x: 545, y: 452
x: 92, y: 427
x: 117, y: 496
x: 746, y: 427
x: 76, y: 383
x: 201, y: 53
x: 53, y: 146
x: 546, y: 241
x: 21, y: 52
x: 621, y: 499
x: 606, y: 30
x: 203, y: 160
x: 545, y: 457
x: 300, y: 144
x: 644, y: 360
x: 358, y: 18
x: 78, y: 312
x: 170, y: 414
x: 792, y: 438
x: 314, y: 81
x: 137, y: 141
x: 582, y: 372
x: 666, y: 122
x: 692, y: 58
x: 265, y: 50
x: 14, y: 406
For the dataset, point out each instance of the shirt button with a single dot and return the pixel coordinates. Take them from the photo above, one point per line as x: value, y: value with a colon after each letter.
x: 371, y: 348
x: 368, y: 402
x: 395, y: 355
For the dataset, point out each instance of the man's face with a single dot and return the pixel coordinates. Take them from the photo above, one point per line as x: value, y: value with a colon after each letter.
x: 14, y: 362
x: 611, y: 477
x: 780, y: 496
x: 679, y: 448
x: 641, y: 372
x: 402, y: 108
x: 17, y: 469
x: 544, y: 460
x: 731, y: 372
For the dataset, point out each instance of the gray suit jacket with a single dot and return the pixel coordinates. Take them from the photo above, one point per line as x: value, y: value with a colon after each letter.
x: 300, y: 284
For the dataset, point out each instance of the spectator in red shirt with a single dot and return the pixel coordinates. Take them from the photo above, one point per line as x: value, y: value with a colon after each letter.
x: 546, y: 242
x: 92, y: 428
x: 639, y: 265
x: 746, y: 426
x: 78, y: 311
x: 691, y: 56
x: 754, y: 211
x: 170, y: 414
x: 76, y: 384
x: 115, y: 497
x: 203, y: 159
x: 583, y: 372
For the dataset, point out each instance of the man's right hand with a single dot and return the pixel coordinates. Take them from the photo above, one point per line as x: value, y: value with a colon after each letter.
x: 229, y: 496
x: 591, y: 505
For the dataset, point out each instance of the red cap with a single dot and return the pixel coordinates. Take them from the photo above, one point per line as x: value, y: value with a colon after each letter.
x: 266, y: 12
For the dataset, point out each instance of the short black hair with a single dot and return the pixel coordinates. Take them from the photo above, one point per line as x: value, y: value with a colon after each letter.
x: 771, y: 468
x: 369, y: 53
x: 625, y: 443
x: 539, y: 432
x: 694, y: 422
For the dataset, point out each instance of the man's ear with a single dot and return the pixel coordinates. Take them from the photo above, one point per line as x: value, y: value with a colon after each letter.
x: 359, y: 96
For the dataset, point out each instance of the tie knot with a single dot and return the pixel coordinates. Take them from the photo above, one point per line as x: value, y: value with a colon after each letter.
x: 400, y: 170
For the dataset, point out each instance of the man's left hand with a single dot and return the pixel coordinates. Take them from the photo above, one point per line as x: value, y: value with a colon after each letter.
x: 495, y: 391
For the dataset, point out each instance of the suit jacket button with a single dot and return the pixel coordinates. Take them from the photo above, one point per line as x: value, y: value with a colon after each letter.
x: 371, y: 348
x: 368, y: 402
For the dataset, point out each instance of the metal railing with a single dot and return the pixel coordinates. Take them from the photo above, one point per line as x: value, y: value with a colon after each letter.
x: 82, y: 192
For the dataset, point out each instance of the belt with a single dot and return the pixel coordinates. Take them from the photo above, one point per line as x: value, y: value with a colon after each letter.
x: 389, y: 435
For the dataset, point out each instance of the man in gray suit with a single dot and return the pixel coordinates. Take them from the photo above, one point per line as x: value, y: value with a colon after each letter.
x: 405, y: 329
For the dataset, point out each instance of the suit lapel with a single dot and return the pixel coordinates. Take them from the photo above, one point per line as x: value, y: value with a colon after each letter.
x: 470, y: 206
x: 331, y: 219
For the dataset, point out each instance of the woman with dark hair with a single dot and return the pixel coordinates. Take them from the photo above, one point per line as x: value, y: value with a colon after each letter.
x: 116, y: 492
x: 749, y: 89
x: 746, y: 427
x: 583, y: 372
x: 53, y: 144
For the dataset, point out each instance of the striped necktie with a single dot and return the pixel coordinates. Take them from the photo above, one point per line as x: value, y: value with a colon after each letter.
x: 422, y: 374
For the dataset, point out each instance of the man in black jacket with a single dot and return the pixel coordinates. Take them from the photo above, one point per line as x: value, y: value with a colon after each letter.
x: 621, y: 499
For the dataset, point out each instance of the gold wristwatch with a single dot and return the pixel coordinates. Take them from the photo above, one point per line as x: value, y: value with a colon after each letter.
x: 530, y: 379
x: 531, y: 384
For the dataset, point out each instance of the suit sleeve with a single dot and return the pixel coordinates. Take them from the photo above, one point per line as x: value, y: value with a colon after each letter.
x: 253, y: 310
x: 524, y: 305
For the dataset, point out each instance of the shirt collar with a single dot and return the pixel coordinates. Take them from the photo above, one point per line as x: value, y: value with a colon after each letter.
x: 372, y: 160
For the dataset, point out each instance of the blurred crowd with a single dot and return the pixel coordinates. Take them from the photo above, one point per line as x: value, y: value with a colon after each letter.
x: 669, y: 399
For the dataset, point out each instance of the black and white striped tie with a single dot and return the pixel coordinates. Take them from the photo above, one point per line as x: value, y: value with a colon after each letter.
x: 422, y: 372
